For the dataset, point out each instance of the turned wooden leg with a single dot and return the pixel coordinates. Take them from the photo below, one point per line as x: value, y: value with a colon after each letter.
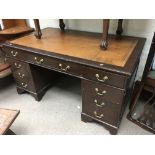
x: 119, y: 28
x: 104, y: 43
x: 38, y: 33
x: 61, y: 24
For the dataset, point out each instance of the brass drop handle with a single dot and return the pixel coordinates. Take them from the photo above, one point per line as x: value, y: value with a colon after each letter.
x: 38, y: 61
x: 21, y: 75
x: 98, y: 116
x: 14, y: 53
x: 64, y: 69
x: 105, y: 78
x: 18, y: 65
x: 102, y: 93
x: 99, y: 105
x: 24, y: 85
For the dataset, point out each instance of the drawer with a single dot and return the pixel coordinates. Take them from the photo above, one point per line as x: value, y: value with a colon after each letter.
x: 103, y: 103
x: 101, y: 91
x: 109, y: 113
x: 19, y: 69
x: 15, y: 53
x: 21, y: 74
x: 45, y: 61
x: 112, y: 79
x: 56, y: 64
x: 25, y: 84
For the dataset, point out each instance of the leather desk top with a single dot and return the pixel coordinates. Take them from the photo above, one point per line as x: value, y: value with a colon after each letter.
x: 84, y: 46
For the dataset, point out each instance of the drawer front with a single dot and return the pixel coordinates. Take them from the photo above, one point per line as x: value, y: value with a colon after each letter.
x: 102, y: 91
x: 45, y: 61
x: 105, y: 77
x: 15, y: 53
x: 56, y: 64
x: 102, y: 110
x: 21, y: 74
x: 103, y: 105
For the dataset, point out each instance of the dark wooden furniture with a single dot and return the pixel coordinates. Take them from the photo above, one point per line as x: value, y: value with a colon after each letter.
x: 107, y: 77
x: 142, y: 107
x: 104, y: 42
x: 7, y: 117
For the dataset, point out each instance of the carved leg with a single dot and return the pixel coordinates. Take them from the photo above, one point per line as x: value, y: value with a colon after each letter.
x: 38, y: 33
x: 20, y: 91
x: 119, y: 28
x: 61, y: 24
x: 85, y: 118
x: 104, y: 43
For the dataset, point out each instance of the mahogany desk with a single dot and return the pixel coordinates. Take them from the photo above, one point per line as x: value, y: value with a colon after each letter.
x: 107, y: 77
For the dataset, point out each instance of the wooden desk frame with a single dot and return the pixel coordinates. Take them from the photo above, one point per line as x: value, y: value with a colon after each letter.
x: 97, y: 79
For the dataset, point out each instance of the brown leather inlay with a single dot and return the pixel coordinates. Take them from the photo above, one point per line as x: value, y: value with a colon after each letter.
x: 81, y: 46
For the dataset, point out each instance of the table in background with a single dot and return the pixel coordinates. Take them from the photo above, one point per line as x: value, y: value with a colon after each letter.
x: 7, y: 117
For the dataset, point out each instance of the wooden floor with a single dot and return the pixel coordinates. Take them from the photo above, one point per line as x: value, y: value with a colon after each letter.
x: 85, y: 46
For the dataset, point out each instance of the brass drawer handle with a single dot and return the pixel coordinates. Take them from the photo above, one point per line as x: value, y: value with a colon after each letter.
x: 105, y: 78
x: 21, y: 75
x: 17, y: 65
x: 99, y: 105
x: 64, y: 69
x: 38, y: 61
x: 102, y: 93
x: 14, y: 53
x: 98, y: 116
x: 24, y: 85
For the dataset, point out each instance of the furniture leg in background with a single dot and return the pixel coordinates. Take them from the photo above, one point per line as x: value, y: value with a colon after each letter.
x: 106, y: 23
x: 38, y: 33
x: 61, y: 24
x: 119, y: 30
x: 104, y: 43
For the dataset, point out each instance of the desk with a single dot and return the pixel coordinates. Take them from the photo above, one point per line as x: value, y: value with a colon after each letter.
x: 106, y: 77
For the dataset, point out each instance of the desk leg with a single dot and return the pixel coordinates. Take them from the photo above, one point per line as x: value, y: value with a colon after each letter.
x: 38, y: 33
x: 119, y: 30
x: 61, y: 24
x: 104, y: 43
